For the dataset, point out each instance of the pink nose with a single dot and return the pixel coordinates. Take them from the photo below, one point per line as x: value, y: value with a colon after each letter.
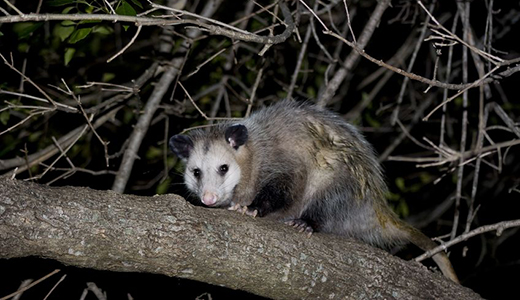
x: 209, y: 198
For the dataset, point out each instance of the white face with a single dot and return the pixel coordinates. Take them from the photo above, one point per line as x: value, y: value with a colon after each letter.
x: 212, y: 173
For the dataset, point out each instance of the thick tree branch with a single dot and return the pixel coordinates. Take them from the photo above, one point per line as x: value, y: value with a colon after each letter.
x: 166, y: 235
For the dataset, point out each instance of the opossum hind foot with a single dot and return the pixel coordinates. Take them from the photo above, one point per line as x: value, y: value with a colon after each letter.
x: 301, y: 226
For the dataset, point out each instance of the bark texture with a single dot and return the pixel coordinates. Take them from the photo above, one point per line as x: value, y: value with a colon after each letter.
x: 166, y: 235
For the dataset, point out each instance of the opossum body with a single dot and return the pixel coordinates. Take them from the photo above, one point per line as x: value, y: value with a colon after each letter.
x: 300, y: 164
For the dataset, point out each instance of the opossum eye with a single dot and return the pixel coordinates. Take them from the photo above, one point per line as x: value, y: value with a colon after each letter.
x: 223, y: 169
x: 196, y: 173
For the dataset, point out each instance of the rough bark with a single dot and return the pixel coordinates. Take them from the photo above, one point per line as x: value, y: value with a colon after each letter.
x: 166, y: 235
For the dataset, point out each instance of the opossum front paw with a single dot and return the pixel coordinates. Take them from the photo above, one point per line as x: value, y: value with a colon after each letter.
x: 244, y: 210
x: 301, y: 226
x: 236, y: 207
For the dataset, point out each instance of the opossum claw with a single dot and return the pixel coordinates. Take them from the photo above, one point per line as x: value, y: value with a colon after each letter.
x: 252, y: 213
x: 244, y: 210
x: 235, y: 207
x: 301, y: 226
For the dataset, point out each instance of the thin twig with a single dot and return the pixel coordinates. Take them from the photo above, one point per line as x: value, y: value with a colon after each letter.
x: 348, y: 22
x: 197, y: 68
x: 448, y: 78
x: 464, y: 124
x: 353, y: 57
x: 253, y: 91
x: 491, y: 58
x: 30, y: 285
x: 314, y: 14
x: 127, y: 45
x: 11, y: 66
x: 506, y: 73
x: 13, y: 7
x: 54, y: 287
x: 301, y: 55
x: 22, y: 285
x: 110, y: 7
x: 88, y: 119
x: 395, y: 113
x: 469, y: 154
x: 499, y: 227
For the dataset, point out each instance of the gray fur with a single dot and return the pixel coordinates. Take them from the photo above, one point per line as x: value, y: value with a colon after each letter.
x: 321, y: 167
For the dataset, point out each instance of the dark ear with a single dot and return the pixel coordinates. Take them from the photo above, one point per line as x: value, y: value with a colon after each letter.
x: 181, y: 145
x: 236, y: 135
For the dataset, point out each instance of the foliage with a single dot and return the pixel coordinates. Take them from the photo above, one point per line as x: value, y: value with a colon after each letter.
x: 67, y: 80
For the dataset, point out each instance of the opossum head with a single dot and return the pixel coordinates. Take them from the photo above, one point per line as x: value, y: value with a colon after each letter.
x: 212, y: 170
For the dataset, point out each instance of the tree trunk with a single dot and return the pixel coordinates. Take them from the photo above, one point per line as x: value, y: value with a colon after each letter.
x: 167, y: 235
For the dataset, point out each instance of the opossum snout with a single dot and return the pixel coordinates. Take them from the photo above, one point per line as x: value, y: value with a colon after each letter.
x: 209, y: 198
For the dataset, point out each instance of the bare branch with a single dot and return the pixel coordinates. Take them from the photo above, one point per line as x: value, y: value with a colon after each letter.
x: 488, y: 79
x: 234, y: 33
x: 127, y: 45
x: 353, y: 57
x: 30, y: 285
x: 395, y: 114
x: 499, y: 227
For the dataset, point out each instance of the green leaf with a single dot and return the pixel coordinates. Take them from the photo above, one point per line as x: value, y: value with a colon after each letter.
x: 67, y: 10
x: 68, y: 23
x: 8, y: 144
x: 425, y: 178
x: 24, y: 30
x: 311, y: 91
x: 102, y: 29
x: 35, y: 136
x: 458, y: 101
x: 107, y: 77
x: 23, y: 47
x: 89, y: 21
x: 403, y: 209
x: 125, y: 9
x: 4, y: 117
x: 415, y: 187
x: 162, y: 188
x: 392, y: 197
x: 79, y: 34
x: 154, y: 153
x: 69, y: 54
x: 399, y: 182
x: 128, y: 116
x: 59, y: 2
x: 137, y: 3
x: 63, y: 32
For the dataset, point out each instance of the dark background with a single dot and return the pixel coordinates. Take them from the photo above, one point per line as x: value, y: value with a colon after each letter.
x: 487, y: 263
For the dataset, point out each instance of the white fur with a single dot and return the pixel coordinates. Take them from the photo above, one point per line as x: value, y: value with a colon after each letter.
x: 212, y: 183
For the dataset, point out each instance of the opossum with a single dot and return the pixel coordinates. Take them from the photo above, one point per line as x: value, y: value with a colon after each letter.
x: 300, y: 164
